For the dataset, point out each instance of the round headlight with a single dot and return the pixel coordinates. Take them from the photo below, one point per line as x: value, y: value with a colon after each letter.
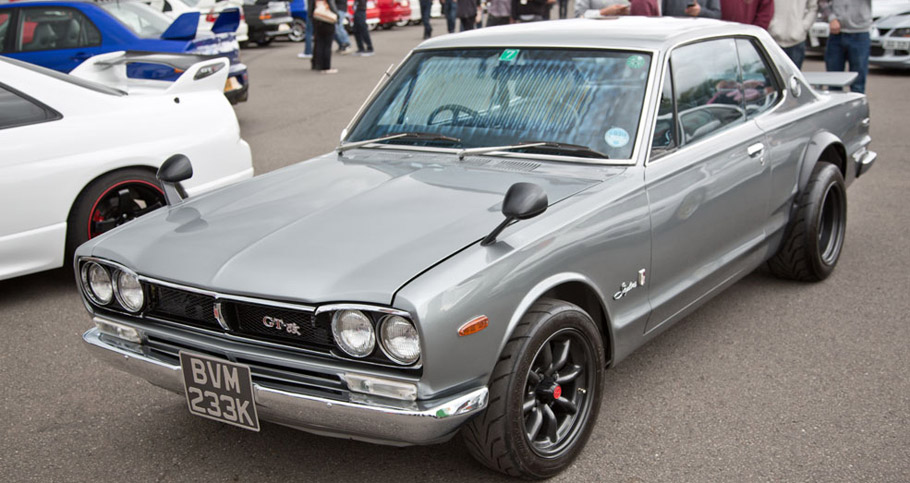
x: 97, y: 283
x: 399, y: 339
x: 353, y: 332
x: 129, y: 291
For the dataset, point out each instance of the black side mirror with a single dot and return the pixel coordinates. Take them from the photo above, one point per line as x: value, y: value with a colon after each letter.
x: 522, y: 201
x: 174, y: 170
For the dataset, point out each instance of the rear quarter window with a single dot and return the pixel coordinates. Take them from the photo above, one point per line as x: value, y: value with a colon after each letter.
x: 18, y: 110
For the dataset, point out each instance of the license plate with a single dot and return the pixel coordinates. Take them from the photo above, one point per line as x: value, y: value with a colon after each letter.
x: 220, y: 390
x: 231, y: 84
x: 820, y: 30
x: 284, y: 27
x: 896, y: 44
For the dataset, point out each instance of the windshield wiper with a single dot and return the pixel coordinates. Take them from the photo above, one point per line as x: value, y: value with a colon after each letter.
x: 425, y: 136
x: 551, y: 146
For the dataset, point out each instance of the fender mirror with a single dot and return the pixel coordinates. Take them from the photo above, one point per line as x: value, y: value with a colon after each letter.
x: 175, y: 169
x: 522, y: 201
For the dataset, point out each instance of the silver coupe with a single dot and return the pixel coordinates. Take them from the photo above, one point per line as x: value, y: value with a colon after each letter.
x: 513, y: 211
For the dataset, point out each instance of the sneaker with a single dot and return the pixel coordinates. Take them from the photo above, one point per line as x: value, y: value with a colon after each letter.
x: 304, y: 55
x: 329, y: 71
x: 345, y: 50
x: 365, y: 53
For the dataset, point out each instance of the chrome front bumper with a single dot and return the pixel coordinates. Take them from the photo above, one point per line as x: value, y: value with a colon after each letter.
x: 345, y: 419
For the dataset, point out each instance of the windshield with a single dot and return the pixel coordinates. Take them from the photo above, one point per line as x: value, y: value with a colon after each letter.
x: 138, y: 17
x: 495, y: 97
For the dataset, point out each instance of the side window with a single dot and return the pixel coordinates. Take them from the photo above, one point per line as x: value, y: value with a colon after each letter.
x: 4, y: 29
x: 709, y: 90
x: 55, y: 28
x: 16, y: 110
x: 665, y: 127
x: 759, y: 85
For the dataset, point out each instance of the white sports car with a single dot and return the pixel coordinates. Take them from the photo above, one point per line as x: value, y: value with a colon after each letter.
x: 78, y: 158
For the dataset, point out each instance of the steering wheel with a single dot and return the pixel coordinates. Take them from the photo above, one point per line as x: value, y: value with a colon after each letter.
x: 456, y: 109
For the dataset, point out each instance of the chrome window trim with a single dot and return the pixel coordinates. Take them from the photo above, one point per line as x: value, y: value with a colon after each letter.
x: 667, y: 57
x: 631, y: 161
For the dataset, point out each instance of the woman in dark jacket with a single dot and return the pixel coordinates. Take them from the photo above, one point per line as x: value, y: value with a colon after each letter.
x: 467, y: 13
x: 323, y: 32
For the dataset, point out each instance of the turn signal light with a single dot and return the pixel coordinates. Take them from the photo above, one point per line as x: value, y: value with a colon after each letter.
x: 474, y: 326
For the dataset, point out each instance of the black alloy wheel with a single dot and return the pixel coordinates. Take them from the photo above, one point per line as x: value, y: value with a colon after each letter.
x: 545, y: 394
x: 556, y: 392
x: 815, y: 236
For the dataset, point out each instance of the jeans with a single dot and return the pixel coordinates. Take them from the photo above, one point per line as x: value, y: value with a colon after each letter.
x: 308, y: 36
x: 797, y: 53
x: 563, y: 8
x: 341, y: 35
x: 849, y: 48
x: 425, y: 7
x: 450, y: 15
x: 362, y: 32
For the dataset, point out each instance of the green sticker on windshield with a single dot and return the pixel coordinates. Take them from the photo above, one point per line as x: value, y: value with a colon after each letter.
x: 508, y: 55
x: 635, y: 62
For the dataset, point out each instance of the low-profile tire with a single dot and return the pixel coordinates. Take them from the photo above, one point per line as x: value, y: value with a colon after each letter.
x: 298, y: 31
x: 815, y: 236
x: 545, y: 394
x: 110, y: 201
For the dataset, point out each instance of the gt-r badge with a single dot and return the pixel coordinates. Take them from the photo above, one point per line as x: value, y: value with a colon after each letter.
x: 276, y: 323
x: 627, y: 287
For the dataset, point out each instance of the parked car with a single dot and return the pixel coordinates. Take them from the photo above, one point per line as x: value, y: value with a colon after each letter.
x: 210, y: 10
x: 267, y: 20
x: 392, y: 12
x: 890, y: 45
x: 513, y: 211
x: 78, y: 158
x: 819, y: 33
x: 60, y: 35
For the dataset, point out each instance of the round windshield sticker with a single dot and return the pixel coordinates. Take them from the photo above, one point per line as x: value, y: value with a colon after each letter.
x: 616, y: 137
x: 635, y: 62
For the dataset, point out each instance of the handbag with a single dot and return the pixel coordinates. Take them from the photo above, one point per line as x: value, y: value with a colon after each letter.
x: 323, y: 13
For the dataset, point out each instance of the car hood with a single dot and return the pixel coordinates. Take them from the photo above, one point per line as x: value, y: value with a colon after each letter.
x: 332, y: 229
x: 895, y: 21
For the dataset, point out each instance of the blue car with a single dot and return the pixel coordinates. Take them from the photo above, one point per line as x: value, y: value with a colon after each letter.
x: 61, y: 34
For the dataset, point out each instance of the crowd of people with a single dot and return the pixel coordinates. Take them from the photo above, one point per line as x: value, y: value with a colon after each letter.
x: 788, y: 22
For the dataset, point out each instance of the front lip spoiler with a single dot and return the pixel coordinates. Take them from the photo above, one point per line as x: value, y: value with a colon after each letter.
x: 328, y: 417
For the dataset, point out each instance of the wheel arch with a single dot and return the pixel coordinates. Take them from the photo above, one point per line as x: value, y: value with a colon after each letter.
x: 574, y: 288
x: 823, y: 147
x: 153, y: 170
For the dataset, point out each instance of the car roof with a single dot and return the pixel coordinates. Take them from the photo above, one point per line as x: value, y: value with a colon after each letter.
x: 628, y: 32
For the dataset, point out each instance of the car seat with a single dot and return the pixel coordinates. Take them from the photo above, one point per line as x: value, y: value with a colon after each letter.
x: 43, y: 38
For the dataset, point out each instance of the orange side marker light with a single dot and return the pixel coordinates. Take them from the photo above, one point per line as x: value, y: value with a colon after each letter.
x: 474, y: 326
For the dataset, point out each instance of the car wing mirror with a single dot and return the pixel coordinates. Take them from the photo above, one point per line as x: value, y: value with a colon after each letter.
x: 522, y: 201
x: 175, y: 169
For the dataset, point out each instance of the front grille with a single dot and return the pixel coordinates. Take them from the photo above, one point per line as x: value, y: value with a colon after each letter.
x: 294, y: 326
x: 876, y: 51
x: 183, y: 306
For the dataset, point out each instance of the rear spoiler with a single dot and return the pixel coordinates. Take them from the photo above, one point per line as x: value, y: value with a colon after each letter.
x: 199, y: 72
x: 228, y: 21
x: 823, y: 80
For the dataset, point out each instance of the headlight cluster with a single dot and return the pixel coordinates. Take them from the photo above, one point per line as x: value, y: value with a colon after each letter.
x: 102, y: 284
x: 356, y: 334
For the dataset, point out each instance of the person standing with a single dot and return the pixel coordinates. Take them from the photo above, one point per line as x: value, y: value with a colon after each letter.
x: 449, y: 8
x: 467, y: 14
x: 608, y: 8
x: 425, y: 7
x: 307, y: 39
x: 849, y: 22
x: 361, y: 32
x: 751, y: 12
x: 341, y: 34
x: 500, y: 13
x: 691, y: 8
x: 790, y: 24
x: 563, y: 8
x: 322, y: 39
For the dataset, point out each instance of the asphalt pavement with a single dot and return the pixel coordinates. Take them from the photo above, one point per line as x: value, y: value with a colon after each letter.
x: 769, y: 381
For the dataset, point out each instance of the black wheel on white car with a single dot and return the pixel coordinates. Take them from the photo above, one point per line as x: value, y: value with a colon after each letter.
x: 815, y: 237
x: 545, y: 394
x: 108, y: 202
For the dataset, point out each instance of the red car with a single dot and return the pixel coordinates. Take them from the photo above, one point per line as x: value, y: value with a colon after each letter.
x: 391, y: 11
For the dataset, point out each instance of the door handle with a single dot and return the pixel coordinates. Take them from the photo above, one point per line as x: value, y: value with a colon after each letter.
x: 756, y: 149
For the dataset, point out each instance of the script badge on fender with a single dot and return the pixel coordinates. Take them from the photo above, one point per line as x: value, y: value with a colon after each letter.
x: 220, y: 390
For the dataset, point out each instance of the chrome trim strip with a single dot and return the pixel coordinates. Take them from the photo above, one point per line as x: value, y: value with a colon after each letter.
x: 370, y: 308
x: 358, y: 419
